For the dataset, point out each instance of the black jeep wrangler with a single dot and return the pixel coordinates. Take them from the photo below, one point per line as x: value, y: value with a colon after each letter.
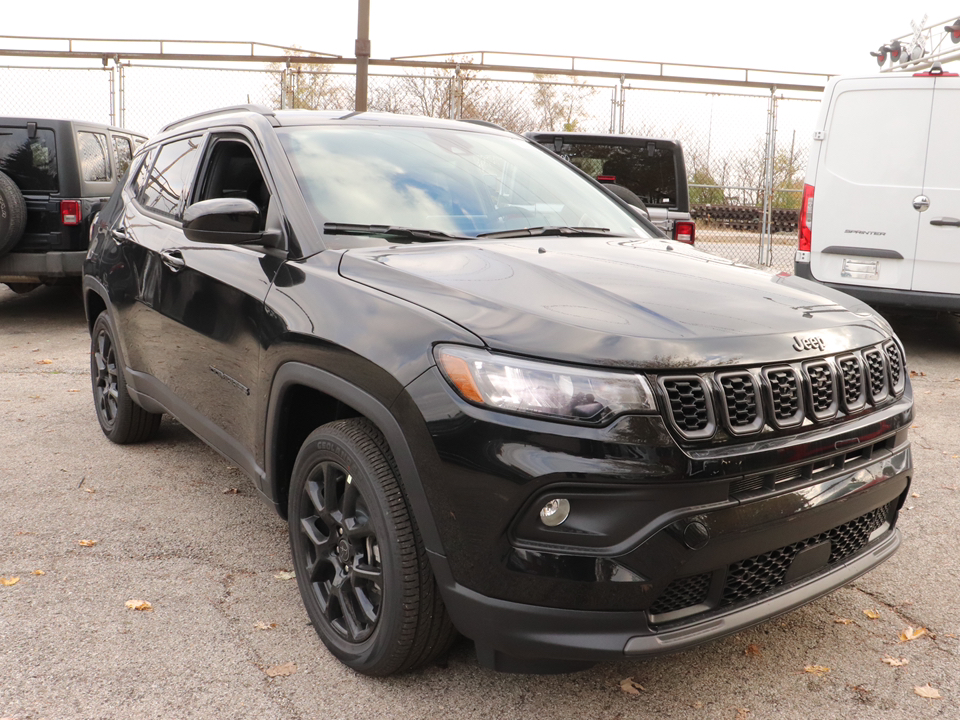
x: 54, y: 176
x: 486, y: 395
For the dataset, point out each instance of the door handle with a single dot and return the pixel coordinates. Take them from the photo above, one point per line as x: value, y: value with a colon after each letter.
x: 173, y: 259
x: 946, y: 221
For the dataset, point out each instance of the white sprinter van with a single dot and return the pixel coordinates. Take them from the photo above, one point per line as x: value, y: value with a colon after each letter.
x: 880, y: 217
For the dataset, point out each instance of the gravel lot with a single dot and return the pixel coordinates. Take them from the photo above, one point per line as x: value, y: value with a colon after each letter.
x: 173, y: 524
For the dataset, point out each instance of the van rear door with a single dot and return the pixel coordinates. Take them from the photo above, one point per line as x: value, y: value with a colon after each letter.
x: 937, y: 264
x: 864, y: 229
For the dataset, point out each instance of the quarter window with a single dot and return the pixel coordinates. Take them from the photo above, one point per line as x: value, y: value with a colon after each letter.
x: 121, y: 153
x: 170, y: 176
x: 94, y: 160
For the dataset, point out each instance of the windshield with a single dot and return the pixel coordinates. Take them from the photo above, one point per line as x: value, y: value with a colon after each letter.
x: 457, y: 182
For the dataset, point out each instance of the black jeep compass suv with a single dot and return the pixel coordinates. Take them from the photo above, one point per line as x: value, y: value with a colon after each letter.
x: 488, y: 396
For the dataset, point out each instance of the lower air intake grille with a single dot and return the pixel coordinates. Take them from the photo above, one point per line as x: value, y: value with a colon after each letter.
x: 682, y: 593
x: 755, y: 576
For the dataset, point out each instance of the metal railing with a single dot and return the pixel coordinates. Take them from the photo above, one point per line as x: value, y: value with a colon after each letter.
x: 733, y: 123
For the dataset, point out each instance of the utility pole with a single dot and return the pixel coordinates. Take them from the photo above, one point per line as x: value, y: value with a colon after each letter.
x: 362, y: 52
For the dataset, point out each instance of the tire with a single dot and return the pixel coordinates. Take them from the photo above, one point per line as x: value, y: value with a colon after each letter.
x: 13, y: 214
x: 361, y: 567
x: 121, y: 419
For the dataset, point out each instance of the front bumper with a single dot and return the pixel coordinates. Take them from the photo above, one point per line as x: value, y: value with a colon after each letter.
x: 526, y: 638
x: 668, y: 544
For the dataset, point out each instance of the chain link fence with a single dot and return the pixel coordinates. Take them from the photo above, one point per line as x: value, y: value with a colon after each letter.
x: 745, y: 153
x: 58, y: 93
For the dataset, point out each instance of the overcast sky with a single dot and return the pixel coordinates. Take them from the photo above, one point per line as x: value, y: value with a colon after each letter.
x: 797, y: 35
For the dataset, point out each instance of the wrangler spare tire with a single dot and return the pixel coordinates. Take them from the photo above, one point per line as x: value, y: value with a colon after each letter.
x: 13, y: 214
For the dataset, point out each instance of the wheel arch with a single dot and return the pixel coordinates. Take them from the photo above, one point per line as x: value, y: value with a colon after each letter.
x: 296, y: 385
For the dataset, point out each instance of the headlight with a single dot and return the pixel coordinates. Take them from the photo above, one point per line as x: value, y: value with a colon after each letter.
x: 528, y: 387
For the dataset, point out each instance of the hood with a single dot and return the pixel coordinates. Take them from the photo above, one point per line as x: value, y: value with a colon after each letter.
x: 618, y: 301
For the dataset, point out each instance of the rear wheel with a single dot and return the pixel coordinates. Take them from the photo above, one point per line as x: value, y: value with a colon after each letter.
x: 13, y: 214
x: 121, y: 419
x: 360, y: 563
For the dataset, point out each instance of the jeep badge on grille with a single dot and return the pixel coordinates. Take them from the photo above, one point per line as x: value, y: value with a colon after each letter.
x: 810, y: 343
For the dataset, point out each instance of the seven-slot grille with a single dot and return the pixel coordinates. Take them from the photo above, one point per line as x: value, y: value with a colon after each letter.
x: 784, y: 396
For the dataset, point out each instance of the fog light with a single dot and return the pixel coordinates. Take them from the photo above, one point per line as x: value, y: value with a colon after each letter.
x: 555, y: 512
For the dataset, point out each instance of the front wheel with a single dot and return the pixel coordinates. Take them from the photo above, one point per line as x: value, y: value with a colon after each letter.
x: 360, y: 563
x: 121, y: 419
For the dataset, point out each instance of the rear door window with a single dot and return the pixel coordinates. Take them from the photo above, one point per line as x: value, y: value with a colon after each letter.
x: 170, y: 177
x: 30, y: 162
x: 94, y: 157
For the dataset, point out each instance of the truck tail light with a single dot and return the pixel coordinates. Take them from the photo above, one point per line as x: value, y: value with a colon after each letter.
x: 806, y: 219
x: 685, y: 231
x: 70, y: 212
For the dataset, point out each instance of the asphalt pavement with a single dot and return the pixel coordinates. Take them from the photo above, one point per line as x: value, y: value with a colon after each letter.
x: 88, y: 526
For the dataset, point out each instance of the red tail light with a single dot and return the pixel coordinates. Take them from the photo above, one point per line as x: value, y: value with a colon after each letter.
x: 70, y: 212
x: 685, y: 231
x: 806, y: 219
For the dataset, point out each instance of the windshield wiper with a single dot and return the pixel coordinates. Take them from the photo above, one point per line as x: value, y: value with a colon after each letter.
x: 549, y: 230
x: 390, y: 231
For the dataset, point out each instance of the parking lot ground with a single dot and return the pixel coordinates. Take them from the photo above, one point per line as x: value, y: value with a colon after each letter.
x: 87, y: 526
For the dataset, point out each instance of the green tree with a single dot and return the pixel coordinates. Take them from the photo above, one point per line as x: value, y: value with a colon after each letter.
x: 705, y: 195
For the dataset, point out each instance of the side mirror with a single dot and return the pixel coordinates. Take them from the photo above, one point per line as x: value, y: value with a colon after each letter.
x: 230, y: 221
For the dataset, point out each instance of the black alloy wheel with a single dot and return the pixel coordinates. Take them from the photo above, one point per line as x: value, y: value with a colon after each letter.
x: 105, y: 389
x: 361, y: 567
x: 344, y: 567
x: 121, y: 419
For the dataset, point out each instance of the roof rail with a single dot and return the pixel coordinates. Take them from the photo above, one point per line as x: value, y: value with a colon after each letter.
x: 259, y: 109
x: 484, y: 123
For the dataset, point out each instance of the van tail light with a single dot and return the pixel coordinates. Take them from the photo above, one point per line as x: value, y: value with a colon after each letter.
x: 806, y: 219
x: 685, y: 231
x: 70, y: 212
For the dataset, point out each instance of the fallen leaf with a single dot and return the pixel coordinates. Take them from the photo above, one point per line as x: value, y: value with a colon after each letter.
x: 87, y: 543
x: 843, y: 621
x: 631, y: 687
x: 45, y: 361
x: 926, y: 691
x: 752, y: 649
x: 141, y: 605
x: 89, y: 490
x: 894, y: 662
x: 911, y: 634
x: 284, y: 575
x: 697, y: 705
x: 818, y: 670
x: 231, y: 491
x: 265, y: 626
x: 914, y: 494
x: 287, y: 668
x: 73, y: 391
x: 743, y: 713
x: 872, y: 614
x: 9, y: 581
x: 39, y: 572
